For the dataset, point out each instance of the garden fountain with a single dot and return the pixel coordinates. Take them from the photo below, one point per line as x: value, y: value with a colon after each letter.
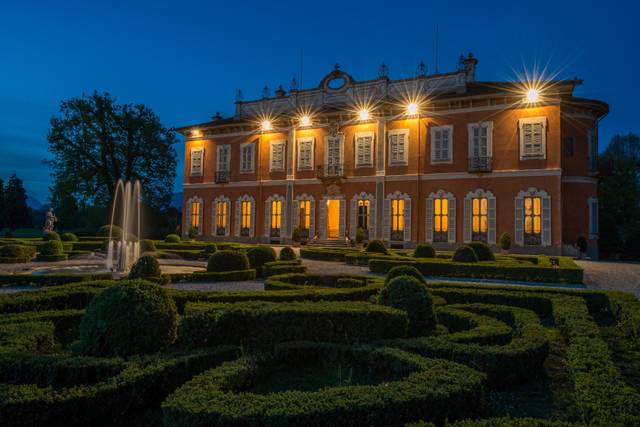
x: 124, y: 250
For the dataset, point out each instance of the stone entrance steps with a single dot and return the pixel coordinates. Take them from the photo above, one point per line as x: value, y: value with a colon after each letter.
x: 339, y: 243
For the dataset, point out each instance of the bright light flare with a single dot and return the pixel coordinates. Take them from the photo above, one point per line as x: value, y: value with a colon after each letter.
x: 363, y: 114
x: 412, y: 109
x: 305, y: 120
x: 266, y: 125
x: 533, y: 95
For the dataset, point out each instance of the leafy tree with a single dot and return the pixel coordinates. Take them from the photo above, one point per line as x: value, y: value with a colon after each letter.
x: 2, y: 206
x: 95, y: 142
x: 16, y: 209
x: 619, y: 197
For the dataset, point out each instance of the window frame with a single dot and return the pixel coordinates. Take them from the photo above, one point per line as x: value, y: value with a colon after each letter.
x: 276, y: 214
x: 405, y: 159
x: 542, y: 154
x: 366, y: 205
x: 443, y: 235
x: 356, y: 138
x: 433, y: 130
x: 219, y: 149
x: 311, y: 165
x: 532, y: 234
x: 272, y: 166
x: 489, y: 126
x: 480, y: 215
x: 397, y: 216
x: 245, y: 214
x: 200, y: 170
x: 251, y: 147
x: 195, y: 214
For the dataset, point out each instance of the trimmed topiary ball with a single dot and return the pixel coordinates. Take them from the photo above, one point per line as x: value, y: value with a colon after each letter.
x: 211, y: 248
x: 465, y: 254
x: 409, y: 294
x: 404, y: 270
x: 228, y: 261
x: 505, y: 241
x: 116, y: 232
x: 52, y: 247
x: 287, y: 254
x: 376, y: 246
x: 483, y: 251
x: 424, y: 250
x: 133, y: 317
x: 259, y: 255
x: 147, y: 246
x: 172, y: 238
x: 50, y: 235
x: 145, y: 267
x: 68, y: 237
x: 13, y: 251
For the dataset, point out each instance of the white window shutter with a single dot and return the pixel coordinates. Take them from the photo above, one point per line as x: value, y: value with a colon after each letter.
x: 429, y: 220
x: 491, y: 214
x: 467, y: 220
x: 267, y: 218
x: 252, y: 219
x: 372, y: 219
x: 386, y: 218
x: 236, y: 225
x: 283, y: 224
x: 201, y: 211
x: 343, y: 216
x: 227, y: 229
x: 519, y: 219
x: 452, y: 220
x: 187, y: 224
x: 296, y: 214
x: 322, y: 232
x: 353, y: 218
x: 312, y: 226
x: 407, y: 220
x: 546, y: 221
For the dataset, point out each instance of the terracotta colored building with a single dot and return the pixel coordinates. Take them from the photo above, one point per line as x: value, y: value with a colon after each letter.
x: 439, y: 158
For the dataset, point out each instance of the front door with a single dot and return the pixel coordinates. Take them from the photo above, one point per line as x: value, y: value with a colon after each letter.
x: 333, y: 219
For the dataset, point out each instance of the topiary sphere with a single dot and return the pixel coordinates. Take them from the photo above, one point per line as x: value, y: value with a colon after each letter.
x: 259, y: 255
x: 211, y: 248
x: 228, y: 261
x: 465, y: 254
x: 147, y: 246
x: 52, y: 247
x: 404, y: 270
x: 424, y: 250
x: 50, y: 235
x: 483, y: 251
x: 13, y: 251
x: 116, y: 232
x: 69, y: 237
x: 409, y: 294
x: 172, y: 238
x: 144, y: 268
x: 376, y: 246
x: 133, y: 317
x: 287, y: 254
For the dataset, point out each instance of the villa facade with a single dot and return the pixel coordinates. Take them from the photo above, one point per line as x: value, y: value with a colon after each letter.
x: 438, y: 158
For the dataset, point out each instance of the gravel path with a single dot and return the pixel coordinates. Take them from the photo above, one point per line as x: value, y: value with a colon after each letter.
x: 613, y: 276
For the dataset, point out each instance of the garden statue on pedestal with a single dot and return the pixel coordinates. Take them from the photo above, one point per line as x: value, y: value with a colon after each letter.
x: 50, y: 221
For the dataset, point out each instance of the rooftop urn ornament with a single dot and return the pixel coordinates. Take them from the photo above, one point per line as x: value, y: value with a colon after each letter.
x: 421, y: 71
x: 469, y: 66
x: 239, y: 96
x: 265, y: 92
x: 217, y: 116
x: 293, y: 86
x: 280, y: 92
x: 383, y: 71
x: 50, y: 221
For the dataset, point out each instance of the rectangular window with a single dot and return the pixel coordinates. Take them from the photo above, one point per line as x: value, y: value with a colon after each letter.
x: 364, y: 149
x: 398, y: 141
x: 440, y: 220
x: 363, y: 214
x: 397, y: 216
x: 568, y: 147
x: 479, y: 219
x: 305, y: 153
x: 333, y: 154
x: 246, y: 157
x: 245, y: 217
x: 195, y: 214
x: 276, y: 214
x: 221, y: 218
x: 277, y: 156
x: 197, y: 155
x: 533, y: 138
x: 532, y: 220
x: 441, y: 144
x: 224, y: 158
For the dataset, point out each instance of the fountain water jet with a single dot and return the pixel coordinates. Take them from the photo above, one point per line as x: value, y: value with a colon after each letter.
x: 121, y: 254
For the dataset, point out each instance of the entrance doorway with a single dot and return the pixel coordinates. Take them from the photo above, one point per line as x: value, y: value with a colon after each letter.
x: 333, y: 219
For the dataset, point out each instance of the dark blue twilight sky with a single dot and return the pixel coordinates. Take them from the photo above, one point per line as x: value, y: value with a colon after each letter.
x: 185, y: 59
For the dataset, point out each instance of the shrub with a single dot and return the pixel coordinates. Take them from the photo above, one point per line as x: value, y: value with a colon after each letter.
x: 409, y: 294
x: 404, y: 270
x: 359, y: 236
x: 424, y: 250
x: 376, y: 246
x: 505, y: 241
x: 582, y: 244
x: 259, y: 255
x: 50, y: 235
x: 13, y: 251
x: 483, y: 251
x: 145, y: 267
x: 287, y: 254
x: 172, y: 238
x: 192, y: 233
x: 465, y: 254
x: 51, y: 247
x: 296, y: 236
x: 69, y: 237
x: 134, y: 317
x: 211, y: 248
x: 116, y: 232
x: 147, y: 246
x: 349, y: 282
x: 227, y: 261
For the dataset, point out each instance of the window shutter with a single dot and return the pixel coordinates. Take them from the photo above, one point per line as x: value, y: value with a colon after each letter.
x: 402, y: 147
x: 267, y: 218
x: 519, y: 219
x: 187, y: 223
x: 283, y: 225
x: 200, y: 211
x: 444, y: 145
x: 343, y: 216
x: 467, y: 220
x: 353, y: 218
x: 252, y: 219
x: 372, y: 219
x: 429, y: 220
x: 491, y: 214
x: 322, y: 232
x: 296, y: 214
x: 227, y: 229
x: 438, y: 145
x: 386, y: 219
x: 312, y: 225
x: 452, y: 220
x: 546, y: 221
x: 236, y: 225
x: 407, y: 220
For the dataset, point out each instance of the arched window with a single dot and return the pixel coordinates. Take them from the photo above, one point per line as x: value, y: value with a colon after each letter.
x: 363, y: 215
x: 221, y: 209
x: 274, y: 216
x: 304, y: 207
x: 245, y: 216
x: 533, y: 218
x: 480, y: 217
x: 194, y: 208
x: 441, y: 217
x: 397, y: 215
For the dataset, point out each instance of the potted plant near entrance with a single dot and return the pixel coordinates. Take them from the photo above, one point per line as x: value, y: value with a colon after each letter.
x: 360, y: 237
x: 505, y: 243
x: 296, y: 236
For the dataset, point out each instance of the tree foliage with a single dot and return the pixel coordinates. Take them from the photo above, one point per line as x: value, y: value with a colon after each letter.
x: 16, y: 211
x: 96, y: 141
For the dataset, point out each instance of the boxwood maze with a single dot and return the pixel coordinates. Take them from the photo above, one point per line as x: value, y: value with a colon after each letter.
x: 317, y: 350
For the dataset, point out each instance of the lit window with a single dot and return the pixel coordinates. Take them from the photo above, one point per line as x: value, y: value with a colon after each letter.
x: 276, y: 214
x: 195, y: 214
x: 245, y: 215
x: 305, y: 214
x: 532, y: 220
x: 221, y: 218
x: 533, y: 138
x: 479, y: 219
x: 397, y: 215
x: 440, y: 220
x: 363, y: 214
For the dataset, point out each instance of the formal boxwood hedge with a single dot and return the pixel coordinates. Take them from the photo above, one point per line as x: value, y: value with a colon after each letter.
x: 55, y: 279
x: 213, y: 276
x: 376, y: 246
x: 261, y: 324
x: 483, y: 251
x: 323, y: 254
x: 259, y: 255
x: 145, y: 267
x: 287, y: 254
x: 172, y: 238
x: 424, y: 250
x: 68, y: 237
x: 283, y: 267
x: 465, y: 254
x: 410, y: 295
x: 51, y: 250
x: 13, y: 254
x: 50, y: 235
x: 404, y: 270
x: 416, y: 388
x: 227, y: 261
x: 465, y: 326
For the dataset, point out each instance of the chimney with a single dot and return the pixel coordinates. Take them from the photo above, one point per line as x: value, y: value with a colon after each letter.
x: 469, y: 65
